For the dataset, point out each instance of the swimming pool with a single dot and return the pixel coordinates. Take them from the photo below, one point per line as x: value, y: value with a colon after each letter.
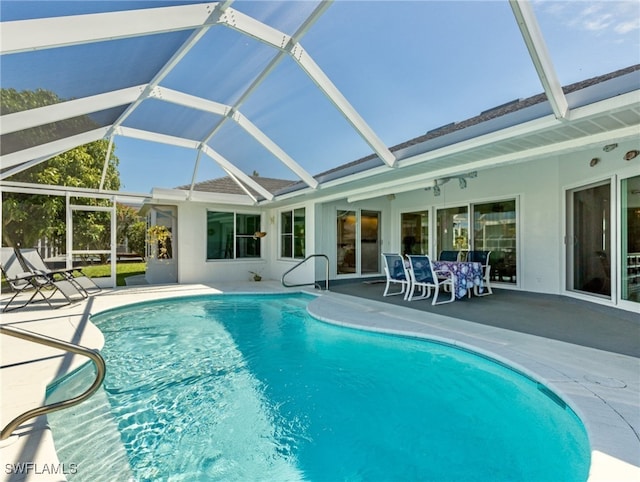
x: 237, y: 387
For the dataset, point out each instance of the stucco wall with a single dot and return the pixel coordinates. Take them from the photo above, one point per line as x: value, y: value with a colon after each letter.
x: 538, y: 187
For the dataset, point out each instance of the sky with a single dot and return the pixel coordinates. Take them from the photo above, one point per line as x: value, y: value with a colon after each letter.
x: 406, y: 66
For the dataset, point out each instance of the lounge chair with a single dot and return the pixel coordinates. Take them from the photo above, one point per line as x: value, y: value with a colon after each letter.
x: 482, y: 257
x: 32, y: 261
x: 20, y: 280
x: 424, y: 276
x: 396, y: 273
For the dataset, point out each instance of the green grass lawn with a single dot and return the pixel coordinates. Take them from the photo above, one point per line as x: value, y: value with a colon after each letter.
x: 123, y: 270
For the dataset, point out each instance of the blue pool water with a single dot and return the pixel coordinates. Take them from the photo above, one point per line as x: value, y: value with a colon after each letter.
x: 244, y: 388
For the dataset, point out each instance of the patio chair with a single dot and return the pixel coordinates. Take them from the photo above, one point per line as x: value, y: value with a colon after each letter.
x: 20, y: 281
x: 424, y: 276
x: 396, y: 273
x: 482, y: 257
x: 32, y: 261
x: 448, y: 255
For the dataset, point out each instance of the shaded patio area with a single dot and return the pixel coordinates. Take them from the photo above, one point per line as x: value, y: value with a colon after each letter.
x: 551, y: 316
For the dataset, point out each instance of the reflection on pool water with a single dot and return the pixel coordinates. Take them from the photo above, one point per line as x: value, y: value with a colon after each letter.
x: 238, y: 387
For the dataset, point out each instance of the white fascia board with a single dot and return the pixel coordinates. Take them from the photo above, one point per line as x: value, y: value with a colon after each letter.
x: 540, y: 56
x: 421, y: 181
x: 187, y: 100
x: 272, y: 147
x: 538, y: 125
x: 254, y: 28
x: 610, y: 105
x: 66, y: 110
x: 342, y: 104
x: 221, y: 198
x: 43, y: 33
x: 163, y: 194
x: 155, y: 137
x: 230, y: 168
x: 45, y: 151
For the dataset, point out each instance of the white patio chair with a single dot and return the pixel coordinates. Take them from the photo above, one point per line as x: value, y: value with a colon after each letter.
x: 396, y: 273
x: 424, y: 276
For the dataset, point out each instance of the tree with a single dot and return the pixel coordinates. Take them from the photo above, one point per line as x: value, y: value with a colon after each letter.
x: 26, y: 218
x: 137, y: 235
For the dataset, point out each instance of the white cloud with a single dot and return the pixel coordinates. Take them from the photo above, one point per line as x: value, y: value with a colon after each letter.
x: 626, y: 27
x: 601, y: 17
x: 595, y: 22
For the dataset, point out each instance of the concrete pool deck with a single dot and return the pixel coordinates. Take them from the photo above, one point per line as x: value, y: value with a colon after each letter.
x: 602, y: 386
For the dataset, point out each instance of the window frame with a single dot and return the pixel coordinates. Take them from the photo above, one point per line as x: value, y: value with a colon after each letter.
x: 235, y: 236
x: 291, y: 236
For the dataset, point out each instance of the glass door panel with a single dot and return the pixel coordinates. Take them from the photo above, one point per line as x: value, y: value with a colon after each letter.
x: 452, y: 227
x: 494, y: 229
x: 346, y: 242
x: 414, y: 231
x: 369, y: 242
x: 630, y: 239
x: 589, y: 240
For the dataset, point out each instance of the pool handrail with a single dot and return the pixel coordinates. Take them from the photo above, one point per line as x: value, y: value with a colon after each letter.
x: 315, y: 284
x: 94, y: 355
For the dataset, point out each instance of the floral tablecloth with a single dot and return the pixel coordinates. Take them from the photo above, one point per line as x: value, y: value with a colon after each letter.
x: 468, y: 275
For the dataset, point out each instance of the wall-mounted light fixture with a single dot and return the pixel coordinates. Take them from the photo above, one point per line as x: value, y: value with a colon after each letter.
x: 594, y: 161
x: 631, y: 155
x: 462, y: 181
x: 609, y: 147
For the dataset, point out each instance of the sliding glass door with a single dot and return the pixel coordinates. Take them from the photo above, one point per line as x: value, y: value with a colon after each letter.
x: 494, y: 229
x: 414, y: 232
x: 589, y: 239
x: 346, y: 242
x: 452, y: 229
x: 358, y: 242
x: 630, y: 239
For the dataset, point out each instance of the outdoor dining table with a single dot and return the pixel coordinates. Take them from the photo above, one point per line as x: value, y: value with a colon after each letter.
x: 467, y: 275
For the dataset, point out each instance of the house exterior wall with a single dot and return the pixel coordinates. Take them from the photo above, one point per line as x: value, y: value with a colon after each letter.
x: 538, y: 186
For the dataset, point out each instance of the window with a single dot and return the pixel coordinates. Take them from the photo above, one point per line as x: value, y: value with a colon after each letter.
x: 292, y: 232
x: 232, y: 235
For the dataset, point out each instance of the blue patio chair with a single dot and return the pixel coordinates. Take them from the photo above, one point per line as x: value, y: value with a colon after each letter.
x: 482, y: 257
x: 448, y: 255
x: 424, y: 276
x: 396, y: 273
